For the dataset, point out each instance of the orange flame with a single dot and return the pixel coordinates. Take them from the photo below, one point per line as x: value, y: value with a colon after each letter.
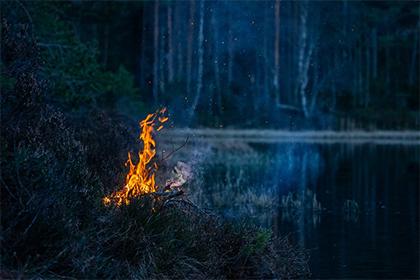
x: 141, y: 177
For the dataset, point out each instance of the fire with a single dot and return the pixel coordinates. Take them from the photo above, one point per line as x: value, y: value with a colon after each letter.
x: 141, y: 177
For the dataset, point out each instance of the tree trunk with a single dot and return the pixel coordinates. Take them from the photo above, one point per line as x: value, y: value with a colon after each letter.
x: 200, y: 59
x: 374, y: 53
x: 215, y: 49
x: 179, y: 39
x: 156, y: 54
x: 387, y: 70
x: 216, y: 62
x: 359, y: 72
x: 106, y: 44
x: 290, y: 62
x: 142, y: 62
x: 277, y: 52
x: 170, y: 47
x: 230, y: 59
x: 413, y: 58
x: 355, y: 80
x: 257, y: 84
x: 296, y: 41
x: 367, y: 83
x: 333, y: 84
x: 190, y: 46
x: 304, y: 58
x: 315, y: 84
x: 265, y: 59
x: 163, y: 58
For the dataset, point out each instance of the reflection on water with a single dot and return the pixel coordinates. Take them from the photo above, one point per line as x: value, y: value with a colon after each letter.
x: 351, y: 211
x: 355, y: 207
x: 300, y: 206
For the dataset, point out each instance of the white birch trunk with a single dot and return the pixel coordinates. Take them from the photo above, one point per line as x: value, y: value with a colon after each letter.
x: 304, y: 57
x: 216, y: 62
x: 277, y: 52
x: 266, y: 60
x: 215, y: 49
x: 315, y: 83
x: 200, y: 58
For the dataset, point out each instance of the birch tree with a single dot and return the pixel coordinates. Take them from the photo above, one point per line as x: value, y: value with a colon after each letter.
x: 216, y: 62
x: 265, y: 56
x: 230, y: 51
x: 304, y: 57
x: 200, y: 48
x: 277, y: 53
x: 215, y: 48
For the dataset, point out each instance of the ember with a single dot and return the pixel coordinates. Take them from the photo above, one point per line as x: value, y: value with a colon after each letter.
x: 141, y: 177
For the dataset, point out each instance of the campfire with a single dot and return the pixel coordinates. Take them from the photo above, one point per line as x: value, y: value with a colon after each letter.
x: 140, y: 179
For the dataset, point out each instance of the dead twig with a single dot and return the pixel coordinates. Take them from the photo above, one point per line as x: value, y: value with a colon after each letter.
x: 174, y: 151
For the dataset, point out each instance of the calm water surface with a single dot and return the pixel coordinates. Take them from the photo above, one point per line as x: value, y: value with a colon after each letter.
x: 375, y: 234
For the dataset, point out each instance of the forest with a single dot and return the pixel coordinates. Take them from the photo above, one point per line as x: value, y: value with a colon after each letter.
x: 289, y: 129
x: 285, y: 64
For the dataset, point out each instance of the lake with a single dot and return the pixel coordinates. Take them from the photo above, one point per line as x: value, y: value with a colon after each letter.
x: 354, y: 206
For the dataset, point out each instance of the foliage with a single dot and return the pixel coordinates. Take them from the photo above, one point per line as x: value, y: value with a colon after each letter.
x: 75, y: 75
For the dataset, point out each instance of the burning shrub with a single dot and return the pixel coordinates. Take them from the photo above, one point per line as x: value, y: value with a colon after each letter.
x: 140, y: 179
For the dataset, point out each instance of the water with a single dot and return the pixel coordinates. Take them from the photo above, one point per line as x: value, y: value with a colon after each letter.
x: 368, y: 225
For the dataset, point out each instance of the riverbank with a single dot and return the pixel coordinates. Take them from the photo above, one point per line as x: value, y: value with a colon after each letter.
x: 384, y: 137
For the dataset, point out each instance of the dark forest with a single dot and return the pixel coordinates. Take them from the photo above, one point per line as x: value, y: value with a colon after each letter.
x: 289, y: 144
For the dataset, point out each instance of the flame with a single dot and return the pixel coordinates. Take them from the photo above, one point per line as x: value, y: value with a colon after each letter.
x: 141, y: 177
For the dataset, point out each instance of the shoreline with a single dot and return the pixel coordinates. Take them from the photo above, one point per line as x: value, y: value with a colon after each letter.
x: 380, y: 137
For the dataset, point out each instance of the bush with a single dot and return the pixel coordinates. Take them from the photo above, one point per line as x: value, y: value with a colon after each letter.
x: 75, y: 76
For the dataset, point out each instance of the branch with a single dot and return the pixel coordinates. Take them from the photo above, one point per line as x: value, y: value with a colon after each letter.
x: 176, y: 150
x: 289, y: 107
x: 168, y: 195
